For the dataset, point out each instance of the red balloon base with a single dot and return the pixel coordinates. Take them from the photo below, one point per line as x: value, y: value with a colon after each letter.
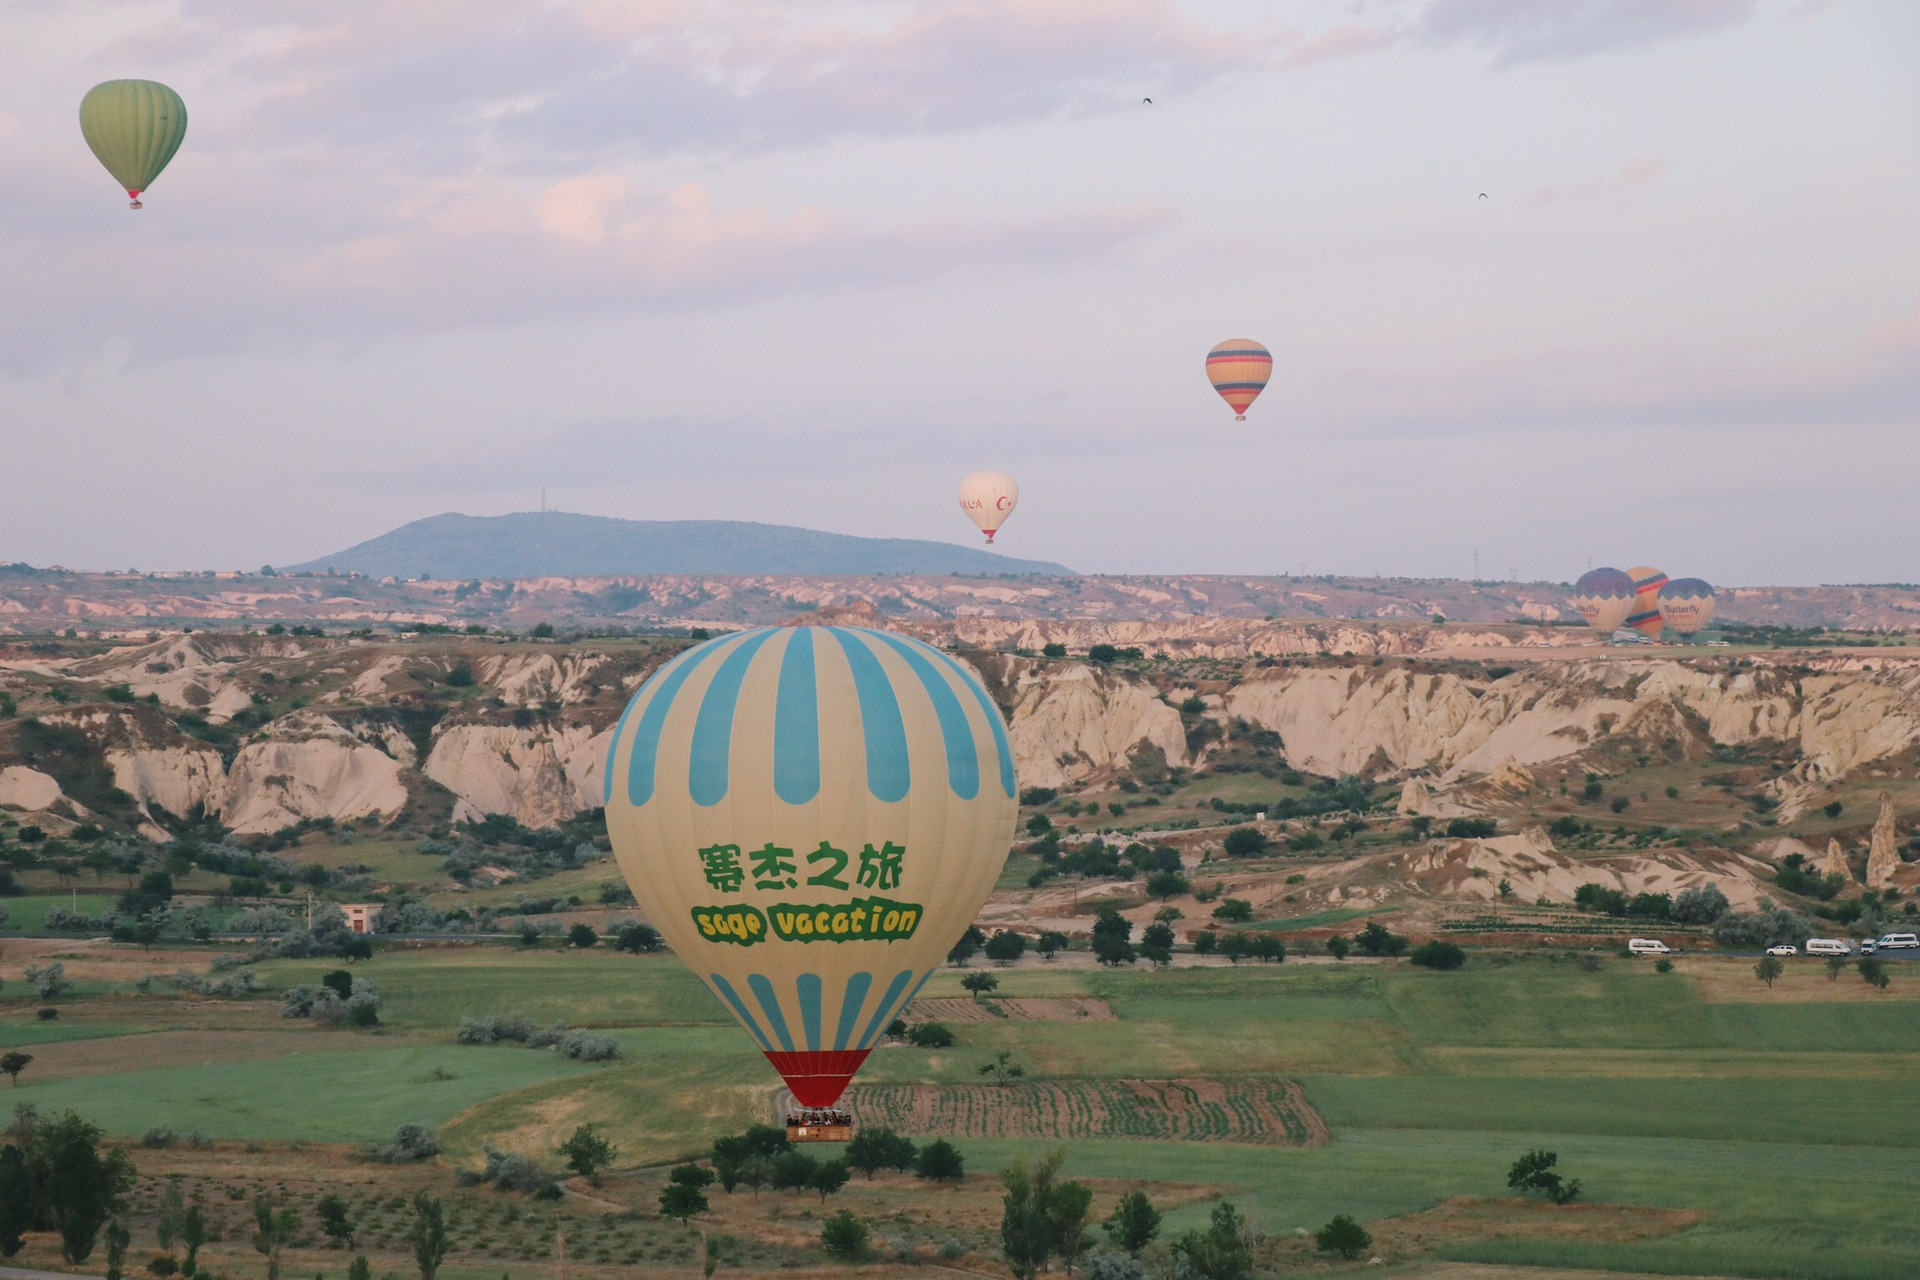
x: 818, y: 1078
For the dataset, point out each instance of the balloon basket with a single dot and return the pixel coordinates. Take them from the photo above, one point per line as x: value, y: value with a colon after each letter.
x: 819, y: 1124
x: 135, y: 204
x: 1239, y: 417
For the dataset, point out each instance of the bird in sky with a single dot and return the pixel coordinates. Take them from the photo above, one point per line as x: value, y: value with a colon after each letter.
x: 1483, y: 195
x: 1146, y: 102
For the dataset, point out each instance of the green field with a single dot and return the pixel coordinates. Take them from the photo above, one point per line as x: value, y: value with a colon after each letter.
x: 1794, y: 1127
x: 28, y: 913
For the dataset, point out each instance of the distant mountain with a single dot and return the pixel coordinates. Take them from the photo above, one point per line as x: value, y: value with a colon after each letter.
x: 557, y: 544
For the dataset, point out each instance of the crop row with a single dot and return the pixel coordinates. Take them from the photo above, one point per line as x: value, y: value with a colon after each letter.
x: 1241, y: 1110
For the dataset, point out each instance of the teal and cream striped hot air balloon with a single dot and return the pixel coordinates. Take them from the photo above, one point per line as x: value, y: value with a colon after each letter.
x: 812, y: 816
x: 134, y: 127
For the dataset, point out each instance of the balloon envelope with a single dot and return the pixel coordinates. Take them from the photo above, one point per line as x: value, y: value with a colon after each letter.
x: 1604, y: 597
x: 1645, y: 617
x: 133, y: 127
x: 988, y: 498
x: 1238, y: 369
x: 1687, y: 605
x: 812, y: 816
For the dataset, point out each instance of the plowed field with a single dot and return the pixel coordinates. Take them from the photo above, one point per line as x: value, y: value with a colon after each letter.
x: 1012, y: 1009
x: 1243, y: 1110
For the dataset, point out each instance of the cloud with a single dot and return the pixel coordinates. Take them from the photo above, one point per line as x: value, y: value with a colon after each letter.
x: 481, y: 250
x: 454, y: 81
x: 1345, y: 41
x: 1520, y: 31
x: 1638, y: 172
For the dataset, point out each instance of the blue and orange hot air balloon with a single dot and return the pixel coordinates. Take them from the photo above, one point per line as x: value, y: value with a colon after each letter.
x: 1645, y: 617
x: 1238, y: 369
x: 812, y: 816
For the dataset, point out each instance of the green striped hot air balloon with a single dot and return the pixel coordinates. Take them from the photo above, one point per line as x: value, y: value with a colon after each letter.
x: 134, y: 127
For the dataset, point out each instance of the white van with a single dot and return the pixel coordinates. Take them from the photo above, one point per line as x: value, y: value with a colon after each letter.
x: 1827, y: 947
x: 1899, y: 941
x: 1648, y: 947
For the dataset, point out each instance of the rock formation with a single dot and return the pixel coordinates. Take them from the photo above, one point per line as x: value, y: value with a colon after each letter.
x: 1834, y: 863
x: 1883, y: 856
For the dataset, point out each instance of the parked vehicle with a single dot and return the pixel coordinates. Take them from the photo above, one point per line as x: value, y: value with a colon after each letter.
x: 1868, y: 947
x: 1783, y: 949
x: 1648, y: 947
x: 1828, y: 947
x: 1899, y: 942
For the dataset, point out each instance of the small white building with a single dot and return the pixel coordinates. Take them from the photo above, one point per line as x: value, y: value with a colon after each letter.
x: 360, y: 915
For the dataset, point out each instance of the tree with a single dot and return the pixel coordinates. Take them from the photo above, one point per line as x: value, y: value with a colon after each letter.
x: 1134, y: 1222
x: 1836, y: 965
x: 1041, y: 1215
x: 1376, y: 940
x: 1223, y: 1251
x: 1006, y: 946
x: 13, y: 1063
x: 970, y: 943
x: 1833, y: 809
x: 1003, y: 1068
x: 1051, y: 942
x: 1701, y: 905
x: 168, y: 1213
x: 872, y: 1150
x: 193, y: 1234
x: 1534, y: 1172
x: 428, y: 1235
x: 845, y: 1237
x: 1338, y: 947
x: 1873, y: 971
x: 69, y: 1185
x: 1167, y: 884
x: 979, y: 984
x: 1438, y: 954
x: 940, y: 1161
x: 16, y: 1200
x: 118, y: 1238
x: 332, y: 1212
x: 1244, y: 842
x: 828, y: 1178
x: 338, y: 981
x: 1156, y: 943
x: 681, y: 1201
x: 1233, y: 911
x: 582, y: 935
x: 588, y: 1153
x: 274, y: 1227
x: 356, y: 948
x: 1769, y: 969
x: 359, y: 1268
x: 1205, y: 941
x: 792, y: 1169
x: 1111, y: 938
x: 641, y: 939
x: 1343, y: 1236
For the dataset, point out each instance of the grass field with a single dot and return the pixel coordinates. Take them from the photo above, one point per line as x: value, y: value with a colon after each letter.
x: 28, y: 913
x: 1788, y: 1121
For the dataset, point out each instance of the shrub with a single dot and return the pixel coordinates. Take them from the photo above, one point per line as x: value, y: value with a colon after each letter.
x: 588, y: 1046
x: 930, y: 1035
x: 845, y: 1236
x: 1702, y: 905
x: 939, y: 1161
x: 1534, y: 1172
x: 1438, y: 954
x: 582, y: 935
x: 411, y: 1142
x: 1377, y: 940
x: 1006, y: 946
x: 161, y: 1136
x: 1664, y: 965
x: 1343, y: 1236
x: 1473, y: 828
x: 639, y: 939
x: 1234, y: 910
x: 1166, y: 884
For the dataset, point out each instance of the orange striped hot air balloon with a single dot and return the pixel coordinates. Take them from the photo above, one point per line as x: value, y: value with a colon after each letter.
x: 1645, y: 617
x: 1238, y: 369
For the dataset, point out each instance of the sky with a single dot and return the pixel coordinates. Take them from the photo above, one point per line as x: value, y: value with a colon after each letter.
x: 810, y: 263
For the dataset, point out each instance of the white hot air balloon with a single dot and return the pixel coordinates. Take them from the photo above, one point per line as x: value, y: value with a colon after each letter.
x: 988, y: 498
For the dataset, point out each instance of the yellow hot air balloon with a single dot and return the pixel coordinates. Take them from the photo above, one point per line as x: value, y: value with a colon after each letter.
x: 133, y: 128
x: 1686, y: 604
x: 1604, y: 597
x: 988, y: 498
x: 1238, y: 369
x: 1645, y: 617
x: 812, y: 816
